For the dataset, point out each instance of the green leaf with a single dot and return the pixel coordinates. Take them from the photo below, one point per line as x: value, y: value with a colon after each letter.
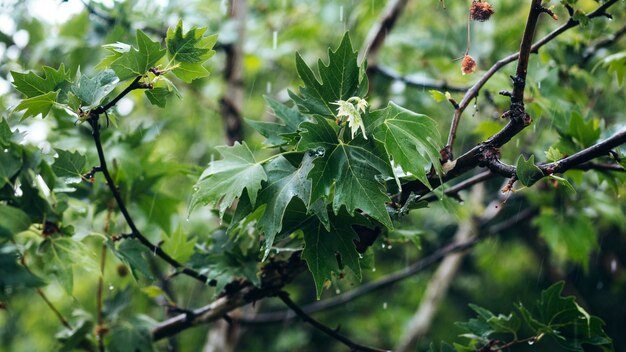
x: 224, y: 180
x: 411, y: 140
x: 133, y: 335
x: 136, y: 61
x: 284, y: 182
x: 354, y: 168
x: 563, y: 181
x: 31, y: 85
x: 276, y: 133
x: 69, y: 166
x: 341, y: 78
x: 158, y: 96
x: 92, y: 90
x: 527, y: 172
x: 116, y: 50
x: 71, y: 338
x: 322, y: 248
x: 61, y: 255
x: 12, y: 221
x: 12, y: 275
x: 5, y: 133
x: 569, y: 237
x: 189, y: 51
x: 616, y: 63
x: 554, y: 154
x: 585, y: 133
x: 177, y: 245
x: 135, y: 255
x: 567, y: 322
x: 10, y: 164
x: 40, y: 104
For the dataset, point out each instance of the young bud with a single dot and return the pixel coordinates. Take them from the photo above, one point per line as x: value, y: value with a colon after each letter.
x: 480, y: 11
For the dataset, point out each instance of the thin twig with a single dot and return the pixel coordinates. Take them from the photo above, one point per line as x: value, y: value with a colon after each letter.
x: 103, y: 168
x: 323, y: 328
x: 421, y: 84
x: 100, y: 330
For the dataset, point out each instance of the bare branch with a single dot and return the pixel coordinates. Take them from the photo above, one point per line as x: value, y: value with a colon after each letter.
x: 573, y: 161
x: 591, y: 50
x: 475, y: 89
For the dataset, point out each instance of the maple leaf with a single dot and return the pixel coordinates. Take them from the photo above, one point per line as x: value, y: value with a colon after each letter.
x: 322, y: 246
x: 189, y: 50
x: 224, y: 180
x: 341, y: 79
x: 354, y: 168
x: 136, y: 61
x: 410, y: 139
x: 284, y: 182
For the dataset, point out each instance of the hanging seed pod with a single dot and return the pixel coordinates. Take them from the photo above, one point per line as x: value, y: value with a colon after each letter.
x: 480, y: 11
x: 468, y: 65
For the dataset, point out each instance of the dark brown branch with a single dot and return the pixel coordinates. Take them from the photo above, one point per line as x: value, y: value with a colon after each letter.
x: 573, y: 161
x: 454, y: 190
x: 398, y: 276
x: 323, y: 328
x: 103, y: 168
x: 421, y: 84
x: 475, y: 89
x: 274, y: 276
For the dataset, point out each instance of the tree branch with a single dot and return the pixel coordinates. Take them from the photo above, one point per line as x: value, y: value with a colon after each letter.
x: 417, y: 267
x: 274, y: 276
x: 439, y: 283
x: 475, y: 89
x: 573, y: 161
x: 103, y: 168
x: 323, y: 328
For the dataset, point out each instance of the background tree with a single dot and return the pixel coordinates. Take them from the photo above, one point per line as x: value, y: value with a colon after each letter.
x: 105, y: 242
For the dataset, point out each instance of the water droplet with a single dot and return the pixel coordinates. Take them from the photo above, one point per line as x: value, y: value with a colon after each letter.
x: 6, y: 150
x: 337, y: 291
x: 111, y: 287
x: 539, y: 85
x: 274, y: 40
x: 341, y: 13
x: 531, y: 341
x: 360, y: 256
x: 389, y: 247
x: 613, y: 265
x: 384, y: 246
x: 384, y: 305
x: 268, y: 87
x: 373, y: 269
x: 196, y: 188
